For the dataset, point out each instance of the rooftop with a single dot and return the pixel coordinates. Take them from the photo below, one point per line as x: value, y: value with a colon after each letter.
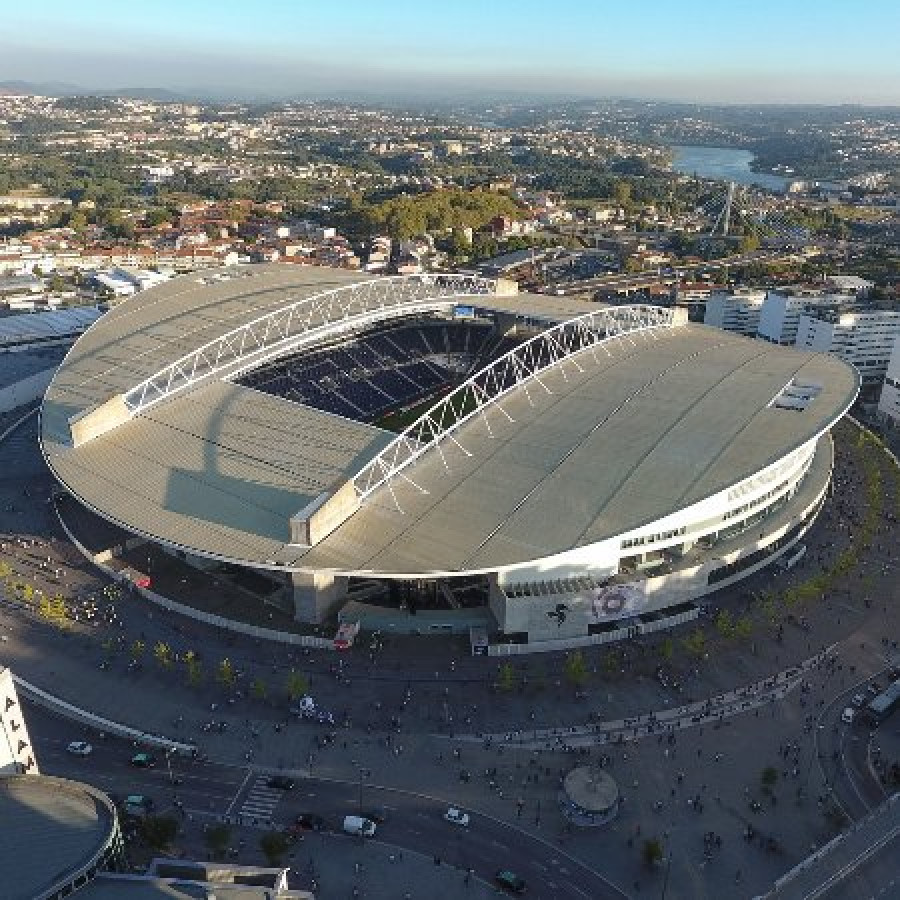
x: 52, y: 828
x: 607, y: 443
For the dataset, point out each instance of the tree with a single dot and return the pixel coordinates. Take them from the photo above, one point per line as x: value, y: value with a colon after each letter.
x: 259, y: 688
x: 653, y: 852
x: 192, y: 664
x: 163, y: 654
x: 724, y: 623
x: 749, y: 242
x: 159, y: 831
x: 226, y: 673
x: 576, y: 668
x: 137, y: 649
x: 217, y: 838
x: 506, y: 678
x: 622, y: 192
x: 667, y: 648
x: 274, y: 845
x: 768, y: 778
x: 695, y: 643
x: 296, y: 686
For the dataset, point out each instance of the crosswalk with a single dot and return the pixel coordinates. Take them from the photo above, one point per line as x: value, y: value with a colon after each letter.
x: 260, y: 801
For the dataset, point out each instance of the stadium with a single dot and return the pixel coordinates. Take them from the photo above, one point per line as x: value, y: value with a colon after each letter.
x: 441, y: 452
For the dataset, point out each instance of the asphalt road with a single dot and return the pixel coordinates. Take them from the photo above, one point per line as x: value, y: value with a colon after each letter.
x: 876, y: 878
x: 414, y: 822
x: 843, y: 750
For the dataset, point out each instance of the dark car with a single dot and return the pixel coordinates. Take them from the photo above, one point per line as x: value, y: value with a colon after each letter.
x: 281, y: 783
x: 509, y: 881
x: 377, y: 814
x: 310, y: 822
x: 143, y: 760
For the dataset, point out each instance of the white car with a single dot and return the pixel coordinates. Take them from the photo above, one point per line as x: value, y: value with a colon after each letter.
x: 847, y: 715
x: 457, y: 816
x: 79, y: 748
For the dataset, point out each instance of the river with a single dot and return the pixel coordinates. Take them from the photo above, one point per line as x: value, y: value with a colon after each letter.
x: 725, y: 163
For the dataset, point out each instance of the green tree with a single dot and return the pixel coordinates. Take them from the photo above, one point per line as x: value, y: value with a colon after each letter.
x: 259, y: 688
x: 273, y: 845
x: 159, y: 831
x: 653, y: 852
x: 749, y: 242
x: 667, y: 648
x: 724, y: 623
x: 296, y: 686
x: 506, y: 678
x: 695, y: 643
x: 226, y: 673
x: 193, y: 668
x: 576, y: 668
x: 137, y: 649
x: 768, y: 778
x: 163, y: 654
x: 217, y: 838
x: 743, y: 628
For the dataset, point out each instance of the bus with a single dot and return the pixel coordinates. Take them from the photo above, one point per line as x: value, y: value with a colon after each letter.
x: 884, y: 704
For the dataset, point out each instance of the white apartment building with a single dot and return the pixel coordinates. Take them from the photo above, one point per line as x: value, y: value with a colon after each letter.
x: 889, y: 404
x: 864, y: 339
x: 737, y: 311
x: 780, y: 313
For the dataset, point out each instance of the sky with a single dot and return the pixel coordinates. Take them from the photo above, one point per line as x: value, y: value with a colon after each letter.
x: 731, y: 51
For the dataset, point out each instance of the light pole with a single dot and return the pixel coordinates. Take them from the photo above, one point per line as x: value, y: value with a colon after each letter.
x: 362, y: 773
x: 169, y: 753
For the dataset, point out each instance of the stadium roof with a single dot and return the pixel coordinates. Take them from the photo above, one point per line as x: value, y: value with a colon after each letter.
x: 623, y: 439
x: 52, y: 829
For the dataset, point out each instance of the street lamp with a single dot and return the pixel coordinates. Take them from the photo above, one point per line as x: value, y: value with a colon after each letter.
x: 362, y: 773
x: 169, y: 753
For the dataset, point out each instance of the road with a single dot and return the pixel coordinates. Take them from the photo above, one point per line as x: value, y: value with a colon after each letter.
x: 843, y: 751
x: 415, y: 821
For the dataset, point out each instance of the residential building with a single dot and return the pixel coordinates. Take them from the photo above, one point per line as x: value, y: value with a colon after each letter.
x: 863, y: 339
x: 781, y: 311
x: 889, y: 403
x: 737, y: 310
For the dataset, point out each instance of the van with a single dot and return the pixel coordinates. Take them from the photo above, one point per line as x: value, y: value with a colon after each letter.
x: 358, y: 825
x: 138, y: 805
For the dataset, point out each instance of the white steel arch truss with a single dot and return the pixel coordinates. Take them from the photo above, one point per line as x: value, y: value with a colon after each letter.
x: 282, y: 330
x: 521, y: 366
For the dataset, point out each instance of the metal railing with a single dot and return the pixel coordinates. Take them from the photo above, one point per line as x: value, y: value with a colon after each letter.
x: 287, y: 328
x: 523, y: 366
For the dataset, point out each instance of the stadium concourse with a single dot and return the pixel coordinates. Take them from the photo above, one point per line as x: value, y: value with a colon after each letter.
x: 536, y: 471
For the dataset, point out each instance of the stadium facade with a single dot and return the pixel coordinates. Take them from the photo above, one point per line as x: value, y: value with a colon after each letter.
x: 546, y: 468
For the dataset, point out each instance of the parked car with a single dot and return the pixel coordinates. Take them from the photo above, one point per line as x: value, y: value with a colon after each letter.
x: 280, y: 782
x: 509, y: 881
x: 138, y: 805
x: 359, y: 826
x: 848, y: 715
x: 310, y: 822
x: 457, y: 816
x: 143, y: 760
x: 80, y: 748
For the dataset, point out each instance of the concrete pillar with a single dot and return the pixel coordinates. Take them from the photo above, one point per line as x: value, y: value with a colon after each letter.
x: 317, y: 597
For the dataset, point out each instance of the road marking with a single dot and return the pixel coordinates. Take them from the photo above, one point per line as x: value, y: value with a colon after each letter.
x: 238, y: 793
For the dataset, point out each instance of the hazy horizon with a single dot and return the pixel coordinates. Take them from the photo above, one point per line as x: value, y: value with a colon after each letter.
x: 740, y: 53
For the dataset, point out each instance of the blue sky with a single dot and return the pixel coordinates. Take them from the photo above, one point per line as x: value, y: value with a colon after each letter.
x: 705, y: 50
